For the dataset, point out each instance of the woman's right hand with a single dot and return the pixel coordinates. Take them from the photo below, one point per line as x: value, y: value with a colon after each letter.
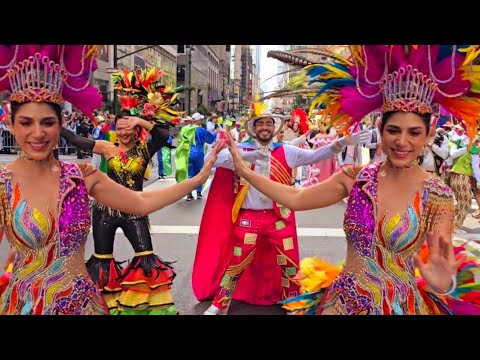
x: 240, y: 167
x: 207, y: 166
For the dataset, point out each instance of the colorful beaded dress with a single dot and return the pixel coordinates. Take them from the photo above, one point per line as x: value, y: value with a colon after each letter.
x: 379, y: 277
x: 49, y: 276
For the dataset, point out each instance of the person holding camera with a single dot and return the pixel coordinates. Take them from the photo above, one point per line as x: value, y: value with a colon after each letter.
x: 435, y: 152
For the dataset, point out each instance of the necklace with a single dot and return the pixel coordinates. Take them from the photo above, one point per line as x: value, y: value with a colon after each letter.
x: 409, y: 166
x: 27, y: 157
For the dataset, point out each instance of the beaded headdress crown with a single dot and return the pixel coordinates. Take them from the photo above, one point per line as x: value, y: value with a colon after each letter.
x: 353, y: 82
x: 50, y: 73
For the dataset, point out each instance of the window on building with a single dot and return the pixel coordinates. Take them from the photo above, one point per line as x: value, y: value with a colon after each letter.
x: 181, y: 49
x: 181, y: 73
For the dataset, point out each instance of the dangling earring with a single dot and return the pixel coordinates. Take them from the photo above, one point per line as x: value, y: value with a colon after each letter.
x: 421, y: 156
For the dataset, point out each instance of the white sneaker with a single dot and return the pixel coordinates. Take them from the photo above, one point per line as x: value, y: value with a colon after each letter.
x: 213, y: 310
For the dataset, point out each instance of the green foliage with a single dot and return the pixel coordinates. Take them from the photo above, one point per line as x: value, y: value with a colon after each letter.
x: 205, y: 110
x: 297, y: 82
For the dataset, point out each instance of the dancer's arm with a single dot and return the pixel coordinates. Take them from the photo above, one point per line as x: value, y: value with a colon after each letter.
x: 115, y: 196
x: 299, y: 157
x: 476, y: 168
x: 160, y: 135
x: 324, y: 194
x: 441, y: 150
x: 100, y: 147
x: 455, y: 151
x: 225, y: 160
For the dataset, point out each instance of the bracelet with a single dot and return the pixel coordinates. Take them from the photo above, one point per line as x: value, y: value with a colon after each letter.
x: 452, y: 289
x: 337, y: 147
x: 151, y: 127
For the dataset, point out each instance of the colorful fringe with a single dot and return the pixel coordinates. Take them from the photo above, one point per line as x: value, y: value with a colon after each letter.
x: 316, y: 275
x: 146, y: 284
x: 5, y: 278
x: 142, y: 288
x: 106, y: 273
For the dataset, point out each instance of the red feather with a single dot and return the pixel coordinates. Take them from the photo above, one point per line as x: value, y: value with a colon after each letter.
x: 300, y: 116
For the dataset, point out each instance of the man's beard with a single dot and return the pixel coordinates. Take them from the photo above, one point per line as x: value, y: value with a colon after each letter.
x: 265, y: 138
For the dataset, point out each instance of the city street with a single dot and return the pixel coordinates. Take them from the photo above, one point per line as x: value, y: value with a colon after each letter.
x: 175, y: 228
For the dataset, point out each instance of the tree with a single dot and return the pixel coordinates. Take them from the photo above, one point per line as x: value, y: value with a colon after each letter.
x: 297, y: 82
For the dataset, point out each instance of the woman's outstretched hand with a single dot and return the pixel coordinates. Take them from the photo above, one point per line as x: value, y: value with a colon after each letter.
x: 207, y: 166
x: 441, y: 264
x: 238, y: 162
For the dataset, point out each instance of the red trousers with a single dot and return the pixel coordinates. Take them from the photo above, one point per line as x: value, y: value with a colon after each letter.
x: 251, y: 227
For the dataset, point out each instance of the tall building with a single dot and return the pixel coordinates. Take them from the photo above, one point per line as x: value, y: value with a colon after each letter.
x: 235, y: 72
x: 246, y: 76
x: 222, y: 82
x: 256, y: 57
x: 204, y: 71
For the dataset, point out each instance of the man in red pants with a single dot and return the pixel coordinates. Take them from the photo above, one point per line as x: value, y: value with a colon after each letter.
x: 247, y: 248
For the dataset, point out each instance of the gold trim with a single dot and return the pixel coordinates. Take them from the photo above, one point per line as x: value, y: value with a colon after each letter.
x: 103, y: 256
x: 144, y: 253
x: 151, y: 127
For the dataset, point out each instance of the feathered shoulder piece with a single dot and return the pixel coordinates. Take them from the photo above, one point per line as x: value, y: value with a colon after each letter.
x: 360, y: 79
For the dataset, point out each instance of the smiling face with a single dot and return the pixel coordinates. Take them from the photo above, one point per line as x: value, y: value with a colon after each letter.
x: 404, y: 134
x: 125, y: 135
x: 264, y: 129
x: 37, y: 126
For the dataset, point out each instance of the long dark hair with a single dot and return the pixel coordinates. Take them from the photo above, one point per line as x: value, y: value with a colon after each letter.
x: 14, y: 106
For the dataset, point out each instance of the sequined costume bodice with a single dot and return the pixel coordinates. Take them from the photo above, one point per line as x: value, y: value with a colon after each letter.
x: 128, y: 168
x: 379, y: 276
x: 49, y: 275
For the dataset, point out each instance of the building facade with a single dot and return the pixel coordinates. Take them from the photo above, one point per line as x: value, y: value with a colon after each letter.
x: 203, y: 71
x: 115, y: 57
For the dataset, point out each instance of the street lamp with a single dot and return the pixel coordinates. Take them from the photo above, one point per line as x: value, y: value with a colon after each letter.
x: 190, y: 49
x: 115, y: 64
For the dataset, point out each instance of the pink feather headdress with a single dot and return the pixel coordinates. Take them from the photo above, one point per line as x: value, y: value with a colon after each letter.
x: 50, y: 73
x: 410, y: 78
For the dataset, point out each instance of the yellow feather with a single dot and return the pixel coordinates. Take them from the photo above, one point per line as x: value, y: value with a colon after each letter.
x: 91, y: 51
x: 341, y: 74
x: 472, y: 54
x: 357, y: 53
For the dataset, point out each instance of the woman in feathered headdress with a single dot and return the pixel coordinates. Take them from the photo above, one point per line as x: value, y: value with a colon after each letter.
x: 393, y: 206
x: 320, y: 136
x: 48, y: 229
x: 143, y: 286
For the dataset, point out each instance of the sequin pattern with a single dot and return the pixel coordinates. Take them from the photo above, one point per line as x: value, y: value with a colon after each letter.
x: 49, y: 275
x: 379, y: 274
x: 127, y: 169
